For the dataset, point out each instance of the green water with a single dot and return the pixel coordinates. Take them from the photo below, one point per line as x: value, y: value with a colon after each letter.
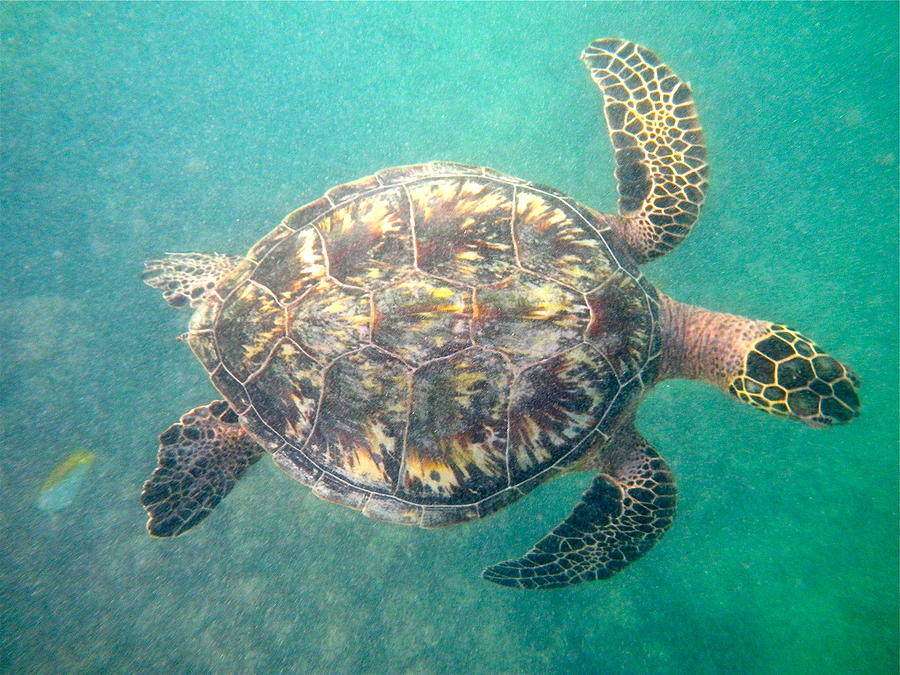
x: 130, y: 130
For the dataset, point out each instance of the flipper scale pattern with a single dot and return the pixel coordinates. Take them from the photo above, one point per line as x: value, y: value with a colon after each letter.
x: 660, y: 154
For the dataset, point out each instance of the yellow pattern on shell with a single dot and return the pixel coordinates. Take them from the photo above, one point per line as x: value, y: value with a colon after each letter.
x: 462, y: 228
x: 442, y: 293
x: 369, y: 238
x: 553, y: 242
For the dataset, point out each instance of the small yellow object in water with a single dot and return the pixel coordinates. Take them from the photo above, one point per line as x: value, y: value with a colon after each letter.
x: 61, y: 486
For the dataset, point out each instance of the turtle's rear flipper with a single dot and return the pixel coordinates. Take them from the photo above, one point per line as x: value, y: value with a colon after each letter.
x: 620, y: 517
x: 187, y: 278
x: 199, y: 461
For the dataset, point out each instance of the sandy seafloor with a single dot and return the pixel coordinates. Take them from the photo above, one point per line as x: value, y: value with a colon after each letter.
x: 133, y: 129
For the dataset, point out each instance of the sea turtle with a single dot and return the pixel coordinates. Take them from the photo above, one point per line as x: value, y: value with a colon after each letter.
x: 429, y: 344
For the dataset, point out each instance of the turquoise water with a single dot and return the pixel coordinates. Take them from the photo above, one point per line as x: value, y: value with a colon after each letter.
x: 130, y: 130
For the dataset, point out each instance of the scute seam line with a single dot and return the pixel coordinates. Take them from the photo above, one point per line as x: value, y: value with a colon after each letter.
x: 401, y: 469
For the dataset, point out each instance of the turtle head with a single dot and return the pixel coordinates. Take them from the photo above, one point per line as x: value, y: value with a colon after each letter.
x: 766, y: 365
x: 785, y: 373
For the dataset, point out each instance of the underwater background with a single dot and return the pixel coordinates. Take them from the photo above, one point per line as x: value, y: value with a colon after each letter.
x: 129, y: 130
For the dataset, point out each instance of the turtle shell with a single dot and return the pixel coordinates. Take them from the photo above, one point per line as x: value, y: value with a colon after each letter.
x: 430, y: 343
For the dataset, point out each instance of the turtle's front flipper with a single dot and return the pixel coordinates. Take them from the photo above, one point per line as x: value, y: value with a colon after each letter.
x: 188, y: 277
x: 620, y: 517
x: 199, y: 461
x: 660, y: 154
